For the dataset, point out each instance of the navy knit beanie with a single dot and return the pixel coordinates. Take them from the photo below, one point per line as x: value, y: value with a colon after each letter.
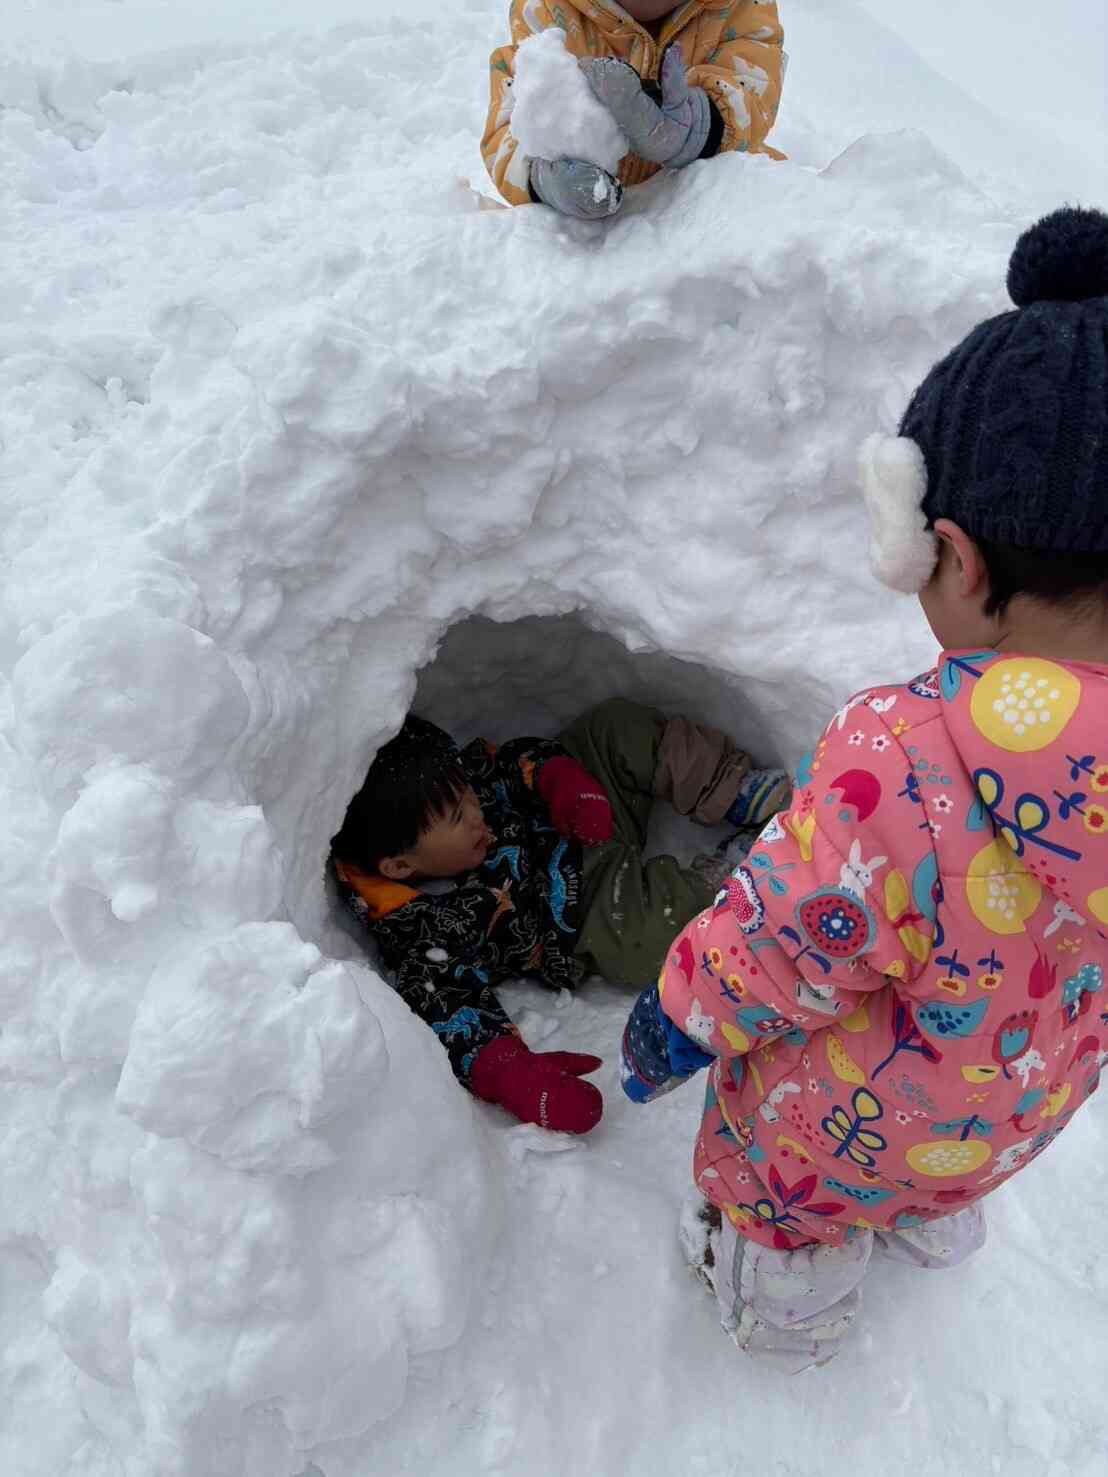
x: 1013, y: 423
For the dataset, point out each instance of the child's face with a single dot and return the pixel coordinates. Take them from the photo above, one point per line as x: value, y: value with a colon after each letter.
x: 456, y: 841
x: 645, y: 11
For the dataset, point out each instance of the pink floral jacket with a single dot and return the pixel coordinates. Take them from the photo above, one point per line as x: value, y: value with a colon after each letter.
x: 903, y: 985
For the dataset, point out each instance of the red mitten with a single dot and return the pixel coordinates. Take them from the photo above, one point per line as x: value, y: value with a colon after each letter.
x: 579, y: 805
x: 538, y: 1086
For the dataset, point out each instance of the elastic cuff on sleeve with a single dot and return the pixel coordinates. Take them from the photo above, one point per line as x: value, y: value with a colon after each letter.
x: 715, y: 133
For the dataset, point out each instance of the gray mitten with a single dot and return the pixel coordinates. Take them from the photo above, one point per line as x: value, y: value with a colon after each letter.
x: 673, y: 133
x: 575, y: 188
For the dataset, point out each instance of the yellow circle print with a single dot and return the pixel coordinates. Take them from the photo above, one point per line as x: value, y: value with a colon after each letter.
x: 1000, y: 890
x: 945, y: 1159
x: 1024, y: 703
x: 1098, y: 904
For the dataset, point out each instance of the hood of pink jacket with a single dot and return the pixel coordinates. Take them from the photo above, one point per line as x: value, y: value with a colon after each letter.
x: 1032, y: 736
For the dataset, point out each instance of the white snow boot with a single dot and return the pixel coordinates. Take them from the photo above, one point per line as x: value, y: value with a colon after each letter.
x: 793, y: 1309
x: 698, y: 1234
x: 936, y: 1244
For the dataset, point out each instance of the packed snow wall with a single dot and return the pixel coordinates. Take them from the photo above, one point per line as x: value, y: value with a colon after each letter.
x: 268, y: 439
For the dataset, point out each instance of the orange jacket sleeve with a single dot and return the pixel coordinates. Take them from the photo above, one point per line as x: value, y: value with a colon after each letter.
x: 742, y: 72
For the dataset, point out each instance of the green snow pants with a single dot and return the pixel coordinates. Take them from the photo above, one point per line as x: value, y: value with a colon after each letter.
x: 633, y: 909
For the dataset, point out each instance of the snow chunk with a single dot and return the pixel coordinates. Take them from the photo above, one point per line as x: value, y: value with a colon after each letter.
x: 90, y: 1316
x: 248, y: 1044
x: 556, y: 114
x: 131, y: 844
x: 125, y: 685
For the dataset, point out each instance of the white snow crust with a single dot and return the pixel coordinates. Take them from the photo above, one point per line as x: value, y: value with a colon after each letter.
x: 555, y: 114
x: 290, y: 429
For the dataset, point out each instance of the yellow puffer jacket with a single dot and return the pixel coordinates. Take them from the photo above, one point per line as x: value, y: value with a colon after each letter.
x: 732, y: 49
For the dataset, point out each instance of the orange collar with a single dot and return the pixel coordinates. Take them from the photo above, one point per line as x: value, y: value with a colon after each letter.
x: 380, y: 895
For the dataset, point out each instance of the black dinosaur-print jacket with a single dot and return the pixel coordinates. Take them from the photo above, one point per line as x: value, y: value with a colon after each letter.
x: 518, y: 914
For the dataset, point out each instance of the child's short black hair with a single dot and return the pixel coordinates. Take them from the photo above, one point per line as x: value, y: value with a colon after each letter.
x: 414, y: 778
x: 1076, y: 580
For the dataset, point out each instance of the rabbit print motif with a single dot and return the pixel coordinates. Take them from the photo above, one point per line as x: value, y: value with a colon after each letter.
x: 856, y: 876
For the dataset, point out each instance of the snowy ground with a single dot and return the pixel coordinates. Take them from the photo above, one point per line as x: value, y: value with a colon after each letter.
x: 286, y: 420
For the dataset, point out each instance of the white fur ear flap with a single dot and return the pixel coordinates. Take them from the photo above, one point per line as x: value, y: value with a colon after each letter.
x: 902, y: 551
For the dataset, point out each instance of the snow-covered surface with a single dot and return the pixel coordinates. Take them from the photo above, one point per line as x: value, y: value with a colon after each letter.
x: 555, y: 114
x: 285, y: 416
x: 1042, y: 67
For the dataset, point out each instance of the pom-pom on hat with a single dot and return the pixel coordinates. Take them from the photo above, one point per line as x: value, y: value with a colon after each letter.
x: 1063, y: 259
x: 1013, y: 423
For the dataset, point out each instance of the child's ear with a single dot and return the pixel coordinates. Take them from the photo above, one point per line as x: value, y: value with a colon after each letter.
x: 967, y: 560
x: 395, y: 868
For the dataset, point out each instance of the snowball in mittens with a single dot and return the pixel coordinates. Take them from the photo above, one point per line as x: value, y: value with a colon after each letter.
x: 555, y: 114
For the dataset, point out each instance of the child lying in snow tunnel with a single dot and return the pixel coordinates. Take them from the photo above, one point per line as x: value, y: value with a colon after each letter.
x: 669, y: 84
x: 900, y: 993
x: 470, y: 866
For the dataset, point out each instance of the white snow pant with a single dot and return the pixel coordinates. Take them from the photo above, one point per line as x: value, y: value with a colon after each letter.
x: 793, y: 1308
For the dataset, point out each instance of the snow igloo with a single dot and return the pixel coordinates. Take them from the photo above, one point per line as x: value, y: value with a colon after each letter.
x: 286, y: 474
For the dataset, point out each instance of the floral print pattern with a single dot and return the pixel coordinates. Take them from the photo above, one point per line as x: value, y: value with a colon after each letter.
x: 907, y: 1042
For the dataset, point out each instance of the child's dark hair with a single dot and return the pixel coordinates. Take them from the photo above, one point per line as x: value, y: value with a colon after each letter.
x: 1077, y: 581
x: 414, y: 778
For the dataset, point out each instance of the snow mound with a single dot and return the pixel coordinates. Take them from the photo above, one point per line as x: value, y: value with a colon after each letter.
x: 267, y: 438
x: 555, y: 114
x: 246, y: 1045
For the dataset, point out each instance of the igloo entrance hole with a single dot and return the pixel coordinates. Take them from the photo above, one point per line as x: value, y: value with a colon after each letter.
x: 533, y: 675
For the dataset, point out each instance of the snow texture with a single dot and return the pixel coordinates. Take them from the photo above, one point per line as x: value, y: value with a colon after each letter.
x: 555, y: 114
x: 291, y: 427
